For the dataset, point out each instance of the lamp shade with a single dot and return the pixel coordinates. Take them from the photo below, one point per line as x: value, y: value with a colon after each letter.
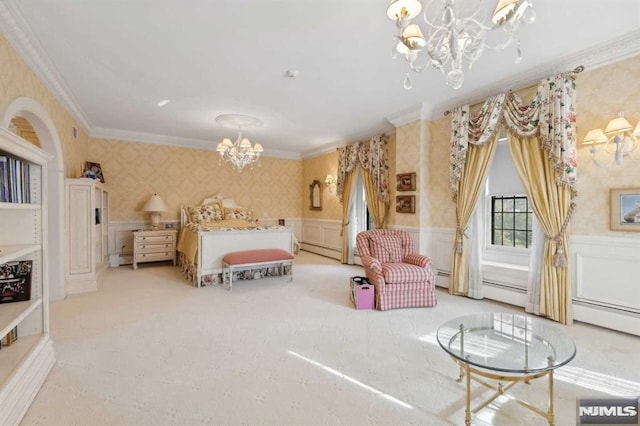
x: 409, y: 7
x: 413, y: 36
x: 636, y: 132
x: 155, y: 204
x: 594, y: 136
x: 503, y: 9
x: 618, y: 125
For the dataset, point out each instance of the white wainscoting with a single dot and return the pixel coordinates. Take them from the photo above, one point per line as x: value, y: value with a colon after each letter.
x: 121, y: 238
x: 606, y: 275
x: 322, y: 237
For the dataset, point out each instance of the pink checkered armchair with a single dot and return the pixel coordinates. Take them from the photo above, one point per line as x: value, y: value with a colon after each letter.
x: 401, y: 277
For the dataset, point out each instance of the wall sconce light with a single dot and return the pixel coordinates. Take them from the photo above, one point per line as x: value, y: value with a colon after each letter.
x: 330, y: 182
x: 155, y: 206
x: 619, y: 139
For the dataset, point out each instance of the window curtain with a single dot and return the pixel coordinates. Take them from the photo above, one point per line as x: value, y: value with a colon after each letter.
x: 535, y: 268
x: 476, y: 232
x: 373, y: 157
x: 474, y: 144
x: 542, y: 142
x: 377, y: 208
x: 347, y: 208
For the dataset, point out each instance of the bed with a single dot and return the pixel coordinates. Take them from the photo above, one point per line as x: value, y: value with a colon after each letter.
x: 218, y: 226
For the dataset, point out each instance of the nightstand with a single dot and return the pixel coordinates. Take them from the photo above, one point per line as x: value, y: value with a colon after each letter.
x: 154, y: 246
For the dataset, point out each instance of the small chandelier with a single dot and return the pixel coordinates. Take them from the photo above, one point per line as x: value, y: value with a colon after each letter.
x: 239, y: 153
x: 452, y: 34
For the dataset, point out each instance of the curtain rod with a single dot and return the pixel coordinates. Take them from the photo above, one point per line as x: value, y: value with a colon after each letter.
x: 576, y: 70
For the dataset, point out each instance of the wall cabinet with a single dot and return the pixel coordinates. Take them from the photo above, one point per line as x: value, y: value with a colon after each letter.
x: 87, y: 211
x: 26, y: 361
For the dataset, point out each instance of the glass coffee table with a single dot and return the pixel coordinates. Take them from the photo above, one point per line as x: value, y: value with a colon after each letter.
x: 507, y: 348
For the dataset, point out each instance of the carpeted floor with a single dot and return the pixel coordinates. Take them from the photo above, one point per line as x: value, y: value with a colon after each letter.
x: 149, y: 349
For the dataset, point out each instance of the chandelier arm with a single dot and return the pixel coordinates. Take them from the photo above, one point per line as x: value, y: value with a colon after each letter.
x: 472, y: 18
x: 431, y: 24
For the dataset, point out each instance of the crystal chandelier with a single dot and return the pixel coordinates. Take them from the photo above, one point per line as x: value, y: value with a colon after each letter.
x: 454, y: 33
x: 239, y: 153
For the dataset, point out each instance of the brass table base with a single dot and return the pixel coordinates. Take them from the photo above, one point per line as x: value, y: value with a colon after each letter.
x: 468, y: 372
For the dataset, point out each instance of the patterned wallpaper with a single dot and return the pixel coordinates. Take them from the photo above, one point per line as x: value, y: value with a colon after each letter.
x: 17, y: 80
x: 185, y: 176
x: 601, y: 94
x: 409, y: 158
x: 317, y: 168
x: 442, y: 210
x: 423, y: 147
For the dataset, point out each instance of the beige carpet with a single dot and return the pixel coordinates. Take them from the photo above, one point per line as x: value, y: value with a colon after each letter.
x: 149, y: 349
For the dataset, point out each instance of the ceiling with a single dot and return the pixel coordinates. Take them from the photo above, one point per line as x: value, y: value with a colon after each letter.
x: 111, y: 61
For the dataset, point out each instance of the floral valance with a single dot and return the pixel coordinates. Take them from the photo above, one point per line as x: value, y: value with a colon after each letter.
x: 551, y: 115
x: 373, y: 156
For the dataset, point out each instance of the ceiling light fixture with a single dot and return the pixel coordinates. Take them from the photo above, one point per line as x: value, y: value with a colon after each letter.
x: 163, y: 102
x: 454, y: 33
x: 619, y: 139
x: 239, y: 153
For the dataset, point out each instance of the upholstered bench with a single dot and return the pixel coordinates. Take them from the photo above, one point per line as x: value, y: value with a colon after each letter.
x: 249, y: 259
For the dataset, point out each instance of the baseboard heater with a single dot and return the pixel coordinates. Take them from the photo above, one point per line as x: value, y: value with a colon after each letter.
x: 323, y: 251
x: 505, y: 286
x: 607, y: 307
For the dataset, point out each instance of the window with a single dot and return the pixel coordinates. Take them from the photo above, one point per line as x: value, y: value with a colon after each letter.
x: 511, y: 221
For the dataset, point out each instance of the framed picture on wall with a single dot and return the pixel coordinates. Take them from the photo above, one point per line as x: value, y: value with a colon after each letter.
x: 624, y: 208
x: 406, y: 182
x: 406, y: 204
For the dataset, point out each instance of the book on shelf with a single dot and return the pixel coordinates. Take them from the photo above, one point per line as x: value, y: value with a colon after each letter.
x: 4, y: 179
x: 10, y: 338
x: 15, y: 281
x: 15, y: 178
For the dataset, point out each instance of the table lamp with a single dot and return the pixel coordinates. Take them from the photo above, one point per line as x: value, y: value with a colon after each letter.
x: 155, y: 206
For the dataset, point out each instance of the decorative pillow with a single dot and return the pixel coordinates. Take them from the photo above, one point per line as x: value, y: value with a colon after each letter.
x: 207, y: 213
x: 238, y: 213
x: 387, y: 248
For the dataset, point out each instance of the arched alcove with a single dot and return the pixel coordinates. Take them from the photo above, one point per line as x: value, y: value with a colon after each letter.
x: 47, y: 135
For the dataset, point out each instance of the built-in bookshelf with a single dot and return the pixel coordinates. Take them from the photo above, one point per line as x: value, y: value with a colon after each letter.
x: 26, y: 351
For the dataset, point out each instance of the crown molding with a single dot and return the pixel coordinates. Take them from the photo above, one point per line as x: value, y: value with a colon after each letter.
x: 19, y: 35
x: 421, y: 111
x: 157, y: 139
x: 323, y: 150
x: 604, y: 54
x: 332, y: 146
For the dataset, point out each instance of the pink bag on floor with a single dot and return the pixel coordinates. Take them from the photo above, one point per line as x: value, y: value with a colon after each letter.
x: 362, y: 293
